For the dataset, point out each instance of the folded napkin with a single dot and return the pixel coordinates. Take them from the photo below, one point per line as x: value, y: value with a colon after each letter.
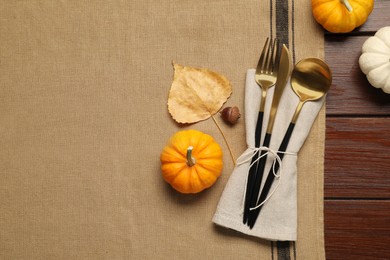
x: 278, y: 217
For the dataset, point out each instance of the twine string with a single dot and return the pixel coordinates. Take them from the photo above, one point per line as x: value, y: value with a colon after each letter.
x: 247, y: 157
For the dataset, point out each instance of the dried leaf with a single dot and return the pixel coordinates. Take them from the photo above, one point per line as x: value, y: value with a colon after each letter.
x: 196, y: 94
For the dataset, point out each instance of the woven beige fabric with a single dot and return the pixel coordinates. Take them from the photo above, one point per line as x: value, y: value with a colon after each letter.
x: 83, y: 119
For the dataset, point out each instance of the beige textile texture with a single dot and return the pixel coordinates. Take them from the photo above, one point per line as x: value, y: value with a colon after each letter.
x: 83, y: 119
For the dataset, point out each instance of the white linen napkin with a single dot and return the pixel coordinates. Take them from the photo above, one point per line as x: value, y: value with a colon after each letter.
x: 278, y: 217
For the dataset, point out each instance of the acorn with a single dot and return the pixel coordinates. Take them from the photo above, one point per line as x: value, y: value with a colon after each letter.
x: 230, y: 115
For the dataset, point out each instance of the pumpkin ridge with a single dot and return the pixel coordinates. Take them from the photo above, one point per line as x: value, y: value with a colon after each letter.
x: 196, y: 150
x: 386, y: 43
x: 365, y: 5
x: 170, y: 160
x: 213, y: 156
x: 208, y: 169
x: 210, y: 179
x: 200, y: 151
x: 378, y: 70
x: 178, y: 171
x: 201, y: 154
x: 206, y: 185
x: 325, y: 15
x: 378, y: 66
x: 176, y: 149
x: 315, y: 4
x: 172, y: 151
x: 172, y: 156
x: 358, y: 20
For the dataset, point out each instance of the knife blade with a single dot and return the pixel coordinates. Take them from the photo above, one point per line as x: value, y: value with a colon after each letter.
x: 285, y: 66
x: 284, y: 73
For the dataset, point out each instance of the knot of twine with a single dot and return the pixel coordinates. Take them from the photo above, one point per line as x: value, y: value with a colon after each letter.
x: 247, y: 157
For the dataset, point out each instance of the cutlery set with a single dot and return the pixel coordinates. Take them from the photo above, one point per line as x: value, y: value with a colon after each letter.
x: 310, y: 80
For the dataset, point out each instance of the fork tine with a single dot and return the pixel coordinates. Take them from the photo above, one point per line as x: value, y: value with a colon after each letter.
x: 275, y: 51
x: 260, y: 64
x: 268, y: 59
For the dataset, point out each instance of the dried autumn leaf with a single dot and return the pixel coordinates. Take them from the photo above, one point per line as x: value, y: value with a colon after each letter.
x: 196, y: 94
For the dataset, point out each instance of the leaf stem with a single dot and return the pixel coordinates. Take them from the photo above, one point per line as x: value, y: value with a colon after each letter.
x: 226, y: 141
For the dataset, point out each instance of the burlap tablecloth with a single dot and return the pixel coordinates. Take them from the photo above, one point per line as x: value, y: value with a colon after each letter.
x: 83, y: 119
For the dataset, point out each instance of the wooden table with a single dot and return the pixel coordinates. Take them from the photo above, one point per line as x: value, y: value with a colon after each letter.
x: 357, y: 153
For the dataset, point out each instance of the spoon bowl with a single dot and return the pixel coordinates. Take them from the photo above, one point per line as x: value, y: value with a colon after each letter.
x: 310, y: 80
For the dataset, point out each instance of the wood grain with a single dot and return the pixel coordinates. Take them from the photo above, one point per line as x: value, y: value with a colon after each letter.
x: 350, y: 93
x: 357, y: 160
x: 357, y: 150
x: 357, y: 229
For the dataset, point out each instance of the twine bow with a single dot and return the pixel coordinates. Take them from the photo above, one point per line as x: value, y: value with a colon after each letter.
x: 247, y: 157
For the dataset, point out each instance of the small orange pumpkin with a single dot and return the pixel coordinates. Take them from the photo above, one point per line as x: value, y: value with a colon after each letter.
x: 191, y: 161
x: 341, y: 16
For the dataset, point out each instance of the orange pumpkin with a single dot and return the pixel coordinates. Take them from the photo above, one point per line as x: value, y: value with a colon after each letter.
x: 191, y: 161
x: 341, y: 16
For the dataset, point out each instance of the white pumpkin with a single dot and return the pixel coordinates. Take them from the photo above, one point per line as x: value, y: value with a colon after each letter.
x: 375, y: 59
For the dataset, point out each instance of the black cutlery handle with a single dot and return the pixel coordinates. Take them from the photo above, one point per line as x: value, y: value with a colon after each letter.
x: 252, y: 170
x: 259, y: 125
x: 259, y: 176
x: 271, y: 176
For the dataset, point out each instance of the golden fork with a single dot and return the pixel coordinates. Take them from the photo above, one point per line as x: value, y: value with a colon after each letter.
x: 265, y: 77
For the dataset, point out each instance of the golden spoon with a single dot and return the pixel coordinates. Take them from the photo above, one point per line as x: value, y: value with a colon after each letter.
x: 310, y: 80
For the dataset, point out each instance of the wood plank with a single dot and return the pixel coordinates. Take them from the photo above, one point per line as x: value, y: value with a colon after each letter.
x: 357, y: 229
x: 351, y: 94
x: 357, y: 160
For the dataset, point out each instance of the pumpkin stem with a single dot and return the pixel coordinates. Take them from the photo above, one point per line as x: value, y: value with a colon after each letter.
x: 347, y: 5
x: 191, y: 161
